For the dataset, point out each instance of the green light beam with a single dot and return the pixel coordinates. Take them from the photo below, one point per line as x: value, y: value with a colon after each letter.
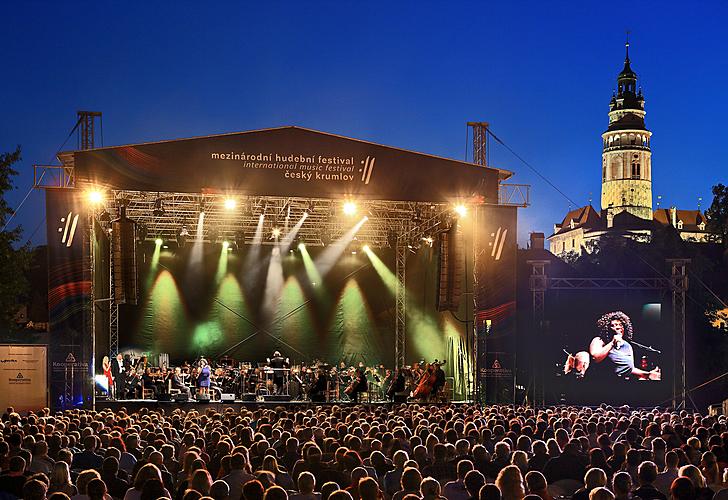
x: 387, y: 276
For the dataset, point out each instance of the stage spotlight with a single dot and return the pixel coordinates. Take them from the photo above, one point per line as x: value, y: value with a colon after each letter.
x: 95, y: 196
x: 392, y: 238
x: 365, y: 248
x: 311, y: 207
x: 417, y: 216
x: 226, y: 246
x: 182, y: 235
x: 142, y: 232
x: 158, y: 242
x: 158, y: 208
x: 301, y: 246
x: 428, y: 240
x: 349, y: 208
x: 230, y: 203
x: 276, y: 233
x: 240, y: 239
x: 213, y: 233
x: 461, y: 210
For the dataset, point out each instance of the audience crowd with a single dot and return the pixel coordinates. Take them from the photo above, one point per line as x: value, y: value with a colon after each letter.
x: 402, y: 452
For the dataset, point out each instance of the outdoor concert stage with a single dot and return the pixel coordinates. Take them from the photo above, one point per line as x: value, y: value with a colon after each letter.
x: 326, y: 248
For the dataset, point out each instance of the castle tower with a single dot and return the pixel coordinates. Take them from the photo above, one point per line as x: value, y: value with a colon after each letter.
x: 626, y: 155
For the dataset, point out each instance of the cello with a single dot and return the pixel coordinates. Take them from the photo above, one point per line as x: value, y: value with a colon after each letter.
x: 427, y: 381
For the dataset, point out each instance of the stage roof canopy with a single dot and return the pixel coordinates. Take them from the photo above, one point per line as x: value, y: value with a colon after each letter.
x: 286, y: 162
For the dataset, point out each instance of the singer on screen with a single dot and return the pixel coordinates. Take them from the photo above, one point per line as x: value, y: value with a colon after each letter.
x: 615, y: 332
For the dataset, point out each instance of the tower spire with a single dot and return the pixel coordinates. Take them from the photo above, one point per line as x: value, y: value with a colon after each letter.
x: 626, y: 47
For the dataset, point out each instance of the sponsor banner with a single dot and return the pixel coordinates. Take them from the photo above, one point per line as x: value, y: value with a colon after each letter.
x: 287, y: 161
x: 69, y: 299
x: 495, y: 376
x: 23, y: 377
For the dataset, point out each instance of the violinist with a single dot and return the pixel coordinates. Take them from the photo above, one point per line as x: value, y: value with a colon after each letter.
x: 439, y: 379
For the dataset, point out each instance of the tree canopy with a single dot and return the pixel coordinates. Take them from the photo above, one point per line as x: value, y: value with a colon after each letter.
x: 14, y: 258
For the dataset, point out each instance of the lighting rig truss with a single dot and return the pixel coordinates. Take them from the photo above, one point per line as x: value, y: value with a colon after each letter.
x: 163, y: 215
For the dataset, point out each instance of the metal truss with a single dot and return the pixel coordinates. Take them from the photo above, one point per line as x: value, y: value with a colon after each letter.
x: 53, y: 177
x: 163, y: 215
x: 401, y: 305
x: 608, y: 283
x: 113, y: 306
x: 679, y: 285
x: 514, y: 195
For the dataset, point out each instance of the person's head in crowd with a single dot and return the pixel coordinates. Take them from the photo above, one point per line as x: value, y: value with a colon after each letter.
x: 327, y: 489
x: 59, y: 496
x: 201, y: 481
x: 411, y: 479
x: 536, y: 482
x: 694, y: 474
x: 622, y: 485
x: 601, y: 493
x: 672, y: 460
x: 96, y: 489
x: 191, y: 494
x: 474, y: 480
x: 306, y: 483
x: 275, y: 493
x: 153, y: 489
x: 682, y: 488
x: 594, y: 478
x: 368, y: 489
x: 430, y: 489
x: 219, y: 490
x: 489, y: 492
x: 84, y: 478
x: 463, y: 467
x: 34, y: 489
x: 60, y: 475
x: 253, y: 490
x: 342, y: 495
x: 647, y: 473
x: 510, y: 483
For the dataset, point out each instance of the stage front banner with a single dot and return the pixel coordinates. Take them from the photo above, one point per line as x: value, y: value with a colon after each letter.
x: 286, y: 161
x: 23, y: 377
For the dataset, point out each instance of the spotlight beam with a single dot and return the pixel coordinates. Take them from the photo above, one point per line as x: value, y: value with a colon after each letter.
x: 288, y: 238
x: 328, y: 258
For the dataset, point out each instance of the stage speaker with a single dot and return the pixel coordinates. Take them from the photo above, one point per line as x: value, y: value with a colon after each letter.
x: 164, y: 397
x: 227, y: 397
x: 181, y: 397
x: 123, y: 247
x: 248, y: 397
x: 451, y: 270
x: 203, y: 398
x: 276, y: 397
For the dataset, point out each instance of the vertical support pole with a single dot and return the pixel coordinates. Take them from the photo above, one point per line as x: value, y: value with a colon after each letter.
x: 113, y: 306
x: 538, y: 284
x: 679, y: 286
x: 399, y: 345
x: 92, y: 303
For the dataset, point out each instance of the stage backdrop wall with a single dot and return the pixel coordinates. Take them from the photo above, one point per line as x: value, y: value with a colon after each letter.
x: 206, y: 301
x: 23, y: 377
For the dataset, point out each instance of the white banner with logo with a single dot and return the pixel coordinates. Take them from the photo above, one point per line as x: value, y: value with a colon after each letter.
x: 23, y: 377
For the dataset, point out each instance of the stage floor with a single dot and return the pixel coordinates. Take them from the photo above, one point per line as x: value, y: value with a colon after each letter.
x: 134, y: 405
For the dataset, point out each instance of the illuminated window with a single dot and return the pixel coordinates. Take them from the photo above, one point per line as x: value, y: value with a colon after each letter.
x: 679, y: 224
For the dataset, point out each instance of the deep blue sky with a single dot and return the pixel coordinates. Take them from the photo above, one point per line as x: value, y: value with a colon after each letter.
x: 405, y: 74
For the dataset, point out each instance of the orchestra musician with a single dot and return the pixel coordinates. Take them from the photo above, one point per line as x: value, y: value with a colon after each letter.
x: 358, y: 384
x: 317, y: 390
x: 177, y: 382
x: 396, y: 384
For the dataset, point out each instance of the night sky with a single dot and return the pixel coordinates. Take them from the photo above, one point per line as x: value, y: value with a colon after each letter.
x: 403, y: 74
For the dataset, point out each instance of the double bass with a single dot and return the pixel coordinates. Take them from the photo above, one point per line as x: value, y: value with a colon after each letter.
x: 427, y: 381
